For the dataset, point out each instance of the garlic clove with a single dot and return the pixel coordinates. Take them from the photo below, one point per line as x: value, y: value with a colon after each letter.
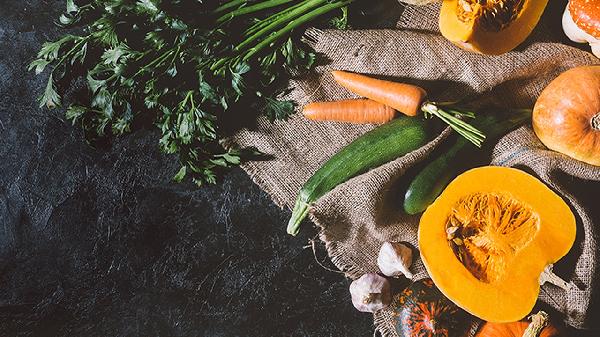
x: 370, y: 293
x: 395, y: 259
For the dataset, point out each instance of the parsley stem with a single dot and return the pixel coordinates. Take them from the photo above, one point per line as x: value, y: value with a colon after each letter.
x: 157, y: 60
x: 295, y: 24
x: 252, y: 9
x: 74, y: 49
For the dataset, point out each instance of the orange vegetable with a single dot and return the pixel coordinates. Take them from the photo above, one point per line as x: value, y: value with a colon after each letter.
x: 540, y: 326
x: 490, y: 27
x: 353, y: 111
x: 490, y: 239
x: 566, y: 117
x: 405, y: 98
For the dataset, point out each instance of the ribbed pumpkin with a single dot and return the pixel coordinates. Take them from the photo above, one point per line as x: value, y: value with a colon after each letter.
x: 421, y: 310
x: 490, y: 237
x: 566, y: 117
x: 492, y: 26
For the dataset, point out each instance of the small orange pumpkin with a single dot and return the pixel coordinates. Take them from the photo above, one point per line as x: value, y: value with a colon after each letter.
x: 540, y: 326
x: 566, y: 117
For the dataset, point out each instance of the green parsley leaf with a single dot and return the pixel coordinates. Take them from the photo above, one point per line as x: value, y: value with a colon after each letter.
x: 178, y: 65
x: 50, y: 98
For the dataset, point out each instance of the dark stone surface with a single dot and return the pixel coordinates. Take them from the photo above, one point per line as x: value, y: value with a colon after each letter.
x: 102, y: 243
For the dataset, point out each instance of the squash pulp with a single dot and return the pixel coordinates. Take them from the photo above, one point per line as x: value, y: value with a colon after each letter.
x: 490, y: 236
x: 490, y: 27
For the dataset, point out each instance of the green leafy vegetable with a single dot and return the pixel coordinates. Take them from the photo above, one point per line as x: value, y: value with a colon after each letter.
x: 187, y: 66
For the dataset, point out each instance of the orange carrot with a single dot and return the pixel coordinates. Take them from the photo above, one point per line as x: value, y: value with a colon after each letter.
x: 405, y: 98
x: 360, y: 111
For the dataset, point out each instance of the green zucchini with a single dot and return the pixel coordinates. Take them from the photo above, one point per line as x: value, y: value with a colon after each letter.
x: 375, y: 148
x: 429, y: 183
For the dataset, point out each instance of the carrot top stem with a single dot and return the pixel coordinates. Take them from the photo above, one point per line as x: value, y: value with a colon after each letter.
x: 451, y: 116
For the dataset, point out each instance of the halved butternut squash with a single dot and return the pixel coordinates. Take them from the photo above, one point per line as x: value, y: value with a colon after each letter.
x: 490, y: 27
x: 490, y: 239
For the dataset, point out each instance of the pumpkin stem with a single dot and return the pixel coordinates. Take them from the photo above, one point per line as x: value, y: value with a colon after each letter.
x: 549, y: 276
x: 538, y: 322
x: 596, y: 122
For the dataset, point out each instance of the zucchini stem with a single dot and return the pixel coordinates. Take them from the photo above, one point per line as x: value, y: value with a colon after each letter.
x: 298, y: 214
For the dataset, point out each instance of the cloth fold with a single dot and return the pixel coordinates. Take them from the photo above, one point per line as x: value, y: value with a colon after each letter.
x: 356, y: 217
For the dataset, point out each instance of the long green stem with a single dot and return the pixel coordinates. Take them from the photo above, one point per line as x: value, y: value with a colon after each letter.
x: 265, y: 22
x: 308, y: 5
x: 295, y: 24
x: 157, y: 60
x: 230, y: 4
x: 260, y: 24
x: 251, y: 9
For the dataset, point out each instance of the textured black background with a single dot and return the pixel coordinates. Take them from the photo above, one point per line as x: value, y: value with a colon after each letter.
x: 100, y: 242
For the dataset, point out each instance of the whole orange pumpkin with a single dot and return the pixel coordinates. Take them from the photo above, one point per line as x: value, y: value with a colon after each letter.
x: 539, y: 326
x: 566, y: 116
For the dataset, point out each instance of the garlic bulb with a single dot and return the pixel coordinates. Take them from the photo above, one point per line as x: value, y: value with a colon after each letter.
x: 579, y: 29
x: 395, y: 259
x: 370, y: 293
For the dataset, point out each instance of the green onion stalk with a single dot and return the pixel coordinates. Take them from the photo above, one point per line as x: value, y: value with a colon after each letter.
x: 266, y: 32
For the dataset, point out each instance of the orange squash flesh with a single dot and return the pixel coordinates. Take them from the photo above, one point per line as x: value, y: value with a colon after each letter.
x: 492, y: 28
x: 503, y: 249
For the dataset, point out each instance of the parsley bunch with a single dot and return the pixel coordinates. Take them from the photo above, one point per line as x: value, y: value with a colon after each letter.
x: 191, y: 67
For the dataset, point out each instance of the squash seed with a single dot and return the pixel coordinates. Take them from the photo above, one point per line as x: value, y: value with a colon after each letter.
x: 486, y: 230
x: 492, y: 15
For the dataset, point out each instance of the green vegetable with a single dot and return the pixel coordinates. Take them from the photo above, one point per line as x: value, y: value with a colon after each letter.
x: 186, y: 66
x: 429, y: 183
x: 375, y: 148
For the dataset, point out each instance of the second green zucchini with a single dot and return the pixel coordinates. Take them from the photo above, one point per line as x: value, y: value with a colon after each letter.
x: 429, y: 183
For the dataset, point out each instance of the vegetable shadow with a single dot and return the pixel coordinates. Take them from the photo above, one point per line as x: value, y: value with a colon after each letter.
x: 584, y: 191
x: 376, y: 14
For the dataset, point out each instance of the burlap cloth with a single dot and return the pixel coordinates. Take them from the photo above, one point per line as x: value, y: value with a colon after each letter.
x: 359, y: 215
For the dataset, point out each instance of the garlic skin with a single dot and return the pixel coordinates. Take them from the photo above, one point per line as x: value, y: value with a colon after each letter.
x: 395, y: 259
x: 577, y: 34
x: 370, y: 293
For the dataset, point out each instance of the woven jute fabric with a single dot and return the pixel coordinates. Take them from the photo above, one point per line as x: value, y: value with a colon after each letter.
x: 357, y: 216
